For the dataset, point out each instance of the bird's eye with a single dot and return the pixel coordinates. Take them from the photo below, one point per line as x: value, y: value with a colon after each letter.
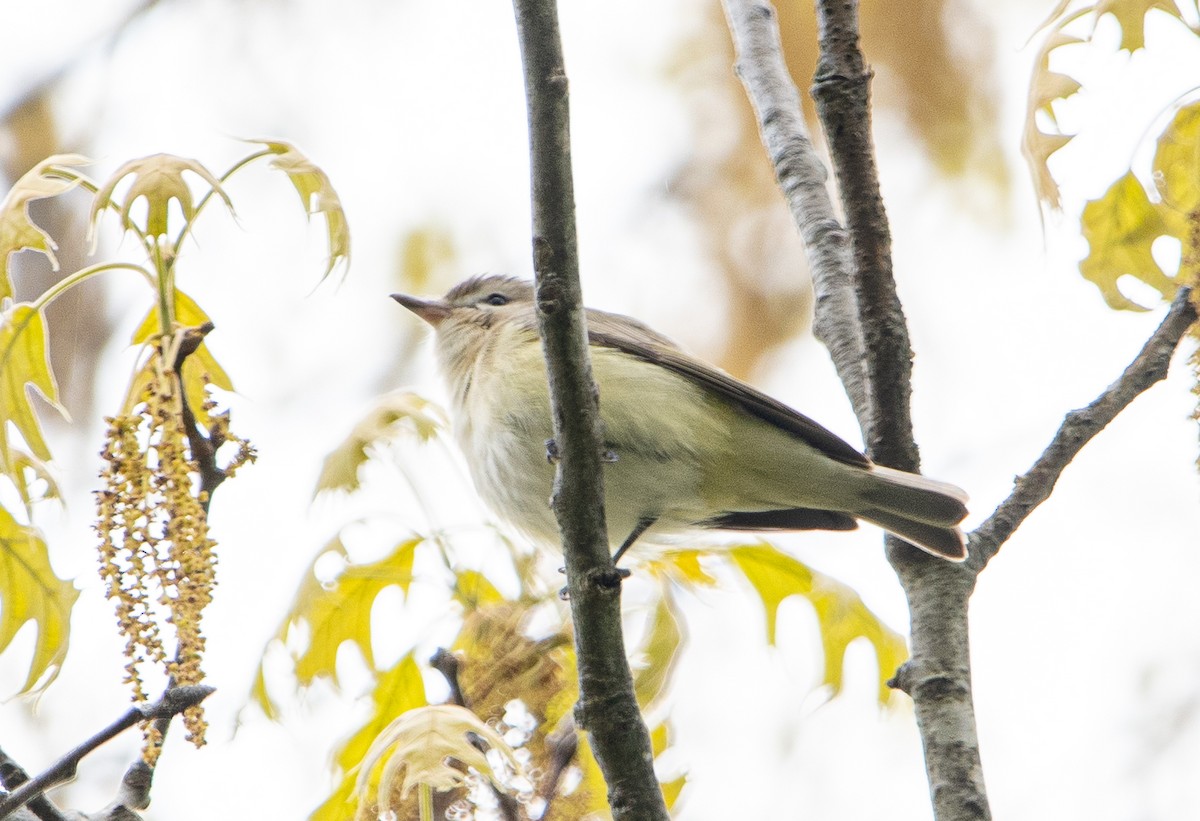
x: 496, y: 299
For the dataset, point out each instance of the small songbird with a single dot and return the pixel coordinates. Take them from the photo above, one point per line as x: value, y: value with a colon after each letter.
x: 688, y: 446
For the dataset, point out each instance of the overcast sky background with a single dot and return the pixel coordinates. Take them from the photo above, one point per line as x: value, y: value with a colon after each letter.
x: 1086, y: 658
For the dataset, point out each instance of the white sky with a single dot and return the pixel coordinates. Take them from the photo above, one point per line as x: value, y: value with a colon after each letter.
x: 1084, y: 649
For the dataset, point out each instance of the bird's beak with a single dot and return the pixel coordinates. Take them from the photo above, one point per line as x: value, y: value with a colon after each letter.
x: 432, y: 311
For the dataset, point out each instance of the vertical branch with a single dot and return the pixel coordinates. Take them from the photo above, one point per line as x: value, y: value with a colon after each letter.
x: 607, y: 707
x: 938, y: 676
x: 802, y: 177
x: 841, y: 89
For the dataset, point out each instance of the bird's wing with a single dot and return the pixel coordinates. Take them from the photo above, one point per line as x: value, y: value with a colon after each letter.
x: 638, y: 340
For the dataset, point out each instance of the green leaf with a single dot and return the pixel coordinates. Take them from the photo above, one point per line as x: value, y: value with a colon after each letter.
x: 30, y: 591
x: 1120, y: 228
x: 473, y: 590
x: 841, y: 615
x: 399, y: 412
x: 317, y: 196
x: 159, y: 179
x: 24, y: 364
x: 18, y: 232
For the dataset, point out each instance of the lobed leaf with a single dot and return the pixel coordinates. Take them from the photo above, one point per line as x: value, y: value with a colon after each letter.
x: 29, y: 591
x: 18, y: 232
x: 1176, y: 166
x: 317, y: 196
x: 399, y: 412
x: 24, y: 364
x: 841, y: 615
x: 340, y: 611
x: 1121, y: 227
x: 200, y: 370
x: 159, y: 179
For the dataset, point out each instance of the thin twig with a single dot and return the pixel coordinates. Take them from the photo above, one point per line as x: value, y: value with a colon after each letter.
x: 13, y: 775
x: 802, y: 177
x: 607, y: 706
x: 1080, y: 426
x: 172, y: 703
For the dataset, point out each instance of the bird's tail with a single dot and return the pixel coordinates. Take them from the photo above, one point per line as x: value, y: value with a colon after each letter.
x: 919, y: 510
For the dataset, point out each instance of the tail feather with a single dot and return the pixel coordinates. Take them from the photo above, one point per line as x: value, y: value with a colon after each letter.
x: 946, y: 542
x: 915, y: 497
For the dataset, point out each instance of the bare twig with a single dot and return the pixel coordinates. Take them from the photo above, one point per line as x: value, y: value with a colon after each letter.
x: 173, y: 702
x: 13, y: 775
x: 1080, y: 426
x: 607, y: 708
x: 802, y: 176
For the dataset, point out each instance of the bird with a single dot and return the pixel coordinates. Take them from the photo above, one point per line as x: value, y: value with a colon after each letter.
x: 687, y: 446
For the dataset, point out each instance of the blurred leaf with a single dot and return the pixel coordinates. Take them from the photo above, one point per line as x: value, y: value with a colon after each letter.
x: 316, y: 195
x: 1121, y: 227
x: 415, y: 747
x: 473, y: 590
x: 340, y: 611
x: 399, y: 412
x: 683, y: 565
x: 424, y: 251
x: 660, y: 649
x: 1131, y: 17
x: 24, y: 363
x: 397, y: 691
x: 1177, y: 165
x: 660, y: 740
x: 30, y: 591
x: 17, y: 231
x: 159, y: 179
x: 841, y: 615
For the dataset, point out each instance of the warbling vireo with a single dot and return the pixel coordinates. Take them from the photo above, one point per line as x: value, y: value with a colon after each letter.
x: 690, y: 446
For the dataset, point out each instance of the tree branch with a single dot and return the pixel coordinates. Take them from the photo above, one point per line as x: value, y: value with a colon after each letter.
x: 841, y: 89
x: 938, y: 676
x: 607, y: 707
x: 172, y: 703
x: 802, y: 177
x: 1080, y: 426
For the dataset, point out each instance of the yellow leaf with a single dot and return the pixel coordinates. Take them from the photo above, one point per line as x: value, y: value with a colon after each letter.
x: 423, y: 252
x: 200, y: 370
x: 158, y: 178
x: 31, y: 592
x: 1120, y: 228
x: 473, y: 590
x: 400, y: 412
x: 841, y: 615
x: 660, y: 649
x: 415, y: 747
x: 24, y: 363
x: 1177, y: 163
x: 316, y: 195
x: 397, y: 691
x: 17, y: 230
x: 340, y: 611
x: 683, y: 565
